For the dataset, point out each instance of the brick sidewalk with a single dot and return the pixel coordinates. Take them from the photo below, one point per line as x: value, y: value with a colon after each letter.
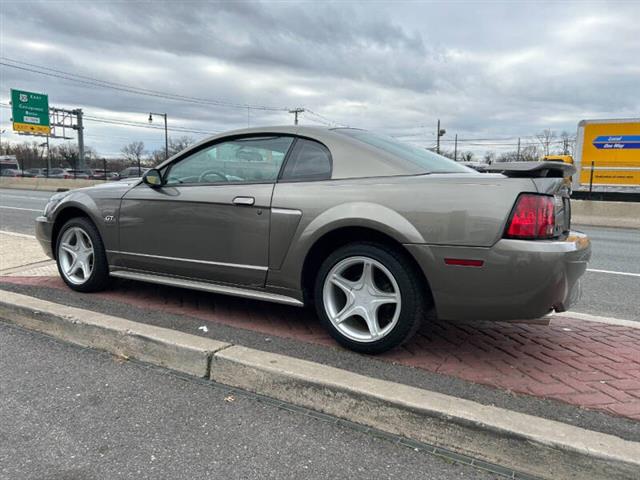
x: 591, y: 365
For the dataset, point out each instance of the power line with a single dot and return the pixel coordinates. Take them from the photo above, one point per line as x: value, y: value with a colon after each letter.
x: 143, y: 125
x: 131, y: 123
x: 94, y: 82
x: 324, y: 120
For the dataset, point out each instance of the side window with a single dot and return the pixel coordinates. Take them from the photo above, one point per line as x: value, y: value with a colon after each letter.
x: 239, y: 160
x: 309, y: 160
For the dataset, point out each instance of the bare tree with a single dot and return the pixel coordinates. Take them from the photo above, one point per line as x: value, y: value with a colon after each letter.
x: 489, y: 157
x: 545, y: 138
x: 447, y: 153
x: 529, y: 153
x: 178, y: 144
x: 156, y: 157
x: 67, y: 155
x: 568, y: 143
x: 134, y: 152
x: 466, y: 156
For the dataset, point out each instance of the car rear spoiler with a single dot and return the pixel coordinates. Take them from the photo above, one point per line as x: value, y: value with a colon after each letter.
x: 532, y: 169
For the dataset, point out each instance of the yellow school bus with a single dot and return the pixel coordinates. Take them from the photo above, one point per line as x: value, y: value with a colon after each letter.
x: 609, y: 148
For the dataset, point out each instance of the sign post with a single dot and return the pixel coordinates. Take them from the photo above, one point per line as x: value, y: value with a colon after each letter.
x: 30, y: 112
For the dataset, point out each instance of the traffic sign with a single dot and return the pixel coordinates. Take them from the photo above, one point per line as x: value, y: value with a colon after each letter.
x: 30, y: 112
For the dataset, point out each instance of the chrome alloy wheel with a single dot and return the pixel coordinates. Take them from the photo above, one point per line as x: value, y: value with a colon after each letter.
x: 76, y: 255
x: 362, y: 299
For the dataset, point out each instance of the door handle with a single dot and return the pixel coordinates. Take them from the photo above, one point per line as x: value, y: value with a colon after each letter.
x: 247, y: 201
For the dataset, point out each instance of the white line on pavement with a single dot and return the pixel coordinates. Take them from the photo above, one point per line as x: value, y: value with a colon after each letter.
x: 598, y: 319
x: 3, y: 195
x: 25, y: 209
x: 16, y: 234
x: 612, y: 272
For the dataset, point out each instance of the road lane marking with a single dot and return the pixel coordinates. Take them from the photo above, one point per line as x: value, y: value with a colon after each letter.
x: 587, y: 317
x: 2, y: 195
x: 16, y: 234
x: 612, y: 272
x: 39, y: 210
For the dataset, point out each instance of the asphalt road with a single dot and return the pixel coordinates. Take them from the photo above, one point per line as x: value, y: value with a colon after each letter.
x: 608, y: 289
x: 72, y: 413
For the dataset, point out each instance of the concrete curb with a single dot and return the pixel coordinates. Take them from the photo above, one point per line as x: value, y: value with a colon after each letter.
x: 538, y: 446
x: 160, y: 346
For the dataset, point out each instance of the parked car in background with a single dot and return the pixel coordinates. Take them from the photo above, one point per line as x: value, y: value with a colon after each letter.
x: 376, y: 234
x: 8, y: 162
x: 59, y: 173
x: 101, y: 174
x: 132, y: 172
x: 83, y: 174
x: 10, y: 172
x: 36, y: 172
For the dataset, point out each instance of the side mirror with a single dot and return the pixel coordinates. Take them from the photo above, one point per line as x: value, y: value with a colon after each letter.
x: 153, y: 178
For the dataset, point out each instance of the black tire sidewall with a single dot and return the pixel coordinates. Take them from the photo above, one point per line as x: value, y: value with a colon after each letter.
x: 412, y: 306
x: 99, y: 277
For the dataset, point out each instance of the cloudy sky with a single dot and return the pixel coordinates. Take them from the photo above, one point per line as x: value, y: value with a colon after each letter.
x: 489, y: 70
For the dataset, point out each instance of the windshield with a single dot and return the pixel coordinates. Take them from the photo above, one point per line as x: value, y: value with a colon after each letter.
x: 424, y: 159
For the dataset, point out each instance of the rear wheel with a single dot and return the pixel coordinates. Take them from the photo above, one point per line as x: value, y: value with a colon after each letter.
x: 81, y: 257
x: 369, y: 297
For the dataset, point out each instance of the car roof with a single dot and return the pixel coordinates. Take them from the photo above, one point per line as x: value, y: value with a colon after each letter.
x: 351, y: 157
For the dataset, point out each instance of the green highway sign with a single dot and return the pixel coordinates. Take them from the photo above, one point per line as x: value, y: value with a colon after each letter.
x: 30, y: 112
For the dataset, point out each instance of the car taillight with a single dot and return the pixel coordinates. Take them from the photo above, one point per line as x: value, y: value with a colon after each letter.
x: 533, y: 217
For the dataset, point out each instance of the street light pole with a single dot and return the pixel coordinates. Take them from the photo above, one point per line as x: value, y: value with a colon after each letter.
x: 166, y: 134
x: 440, y: 132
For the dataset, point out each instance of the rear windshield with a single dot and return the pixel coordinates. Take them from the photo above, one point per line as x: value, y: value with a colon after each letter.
x: 426, y: 161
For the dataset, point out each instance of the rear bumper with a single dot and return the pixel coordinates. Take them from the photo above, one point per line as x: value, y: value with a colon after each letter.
x: 44, y: 230
x: 519, y: 279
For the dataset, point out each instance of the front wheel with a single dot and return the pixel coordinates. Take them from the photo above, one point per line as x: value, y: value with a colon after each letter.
x: 369, y: 297
x: 81, y: 257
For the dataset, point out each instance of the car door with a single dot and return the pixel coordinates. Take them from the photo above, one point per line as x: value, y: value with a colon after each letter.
x: 210, y: 218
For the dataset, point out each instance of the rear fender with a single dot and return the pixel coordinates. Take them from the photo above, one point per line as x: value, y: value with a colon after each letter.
x: 361, y: 214
x: 354, y: 214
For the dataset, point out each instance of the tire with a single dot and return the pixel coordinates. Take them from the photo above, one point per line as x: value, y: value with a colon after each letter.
x: 79, y: 239
x: 392, y: 296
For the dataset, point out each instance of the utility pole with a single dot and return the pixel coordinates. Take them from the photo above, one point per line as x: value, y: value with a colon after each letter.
x: 439, y: 133
x: 48, y: 156
x: 166, y: 133
x: 295, y: 112
x: 518, y: 154
x: 455, y: 149
x: 80, y: 128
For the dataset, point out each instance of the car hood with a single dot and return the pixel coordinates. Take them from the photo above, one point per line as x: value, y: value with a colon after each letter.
x: 109, y: 189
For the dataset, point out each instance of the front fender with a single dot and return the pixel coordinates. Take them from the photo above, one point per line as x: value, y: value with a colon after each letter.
x: 103, y: 212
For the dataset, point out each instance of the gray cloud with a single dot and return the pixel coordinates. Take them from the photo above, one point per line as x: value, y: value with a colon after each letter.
x: 496, y: 69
